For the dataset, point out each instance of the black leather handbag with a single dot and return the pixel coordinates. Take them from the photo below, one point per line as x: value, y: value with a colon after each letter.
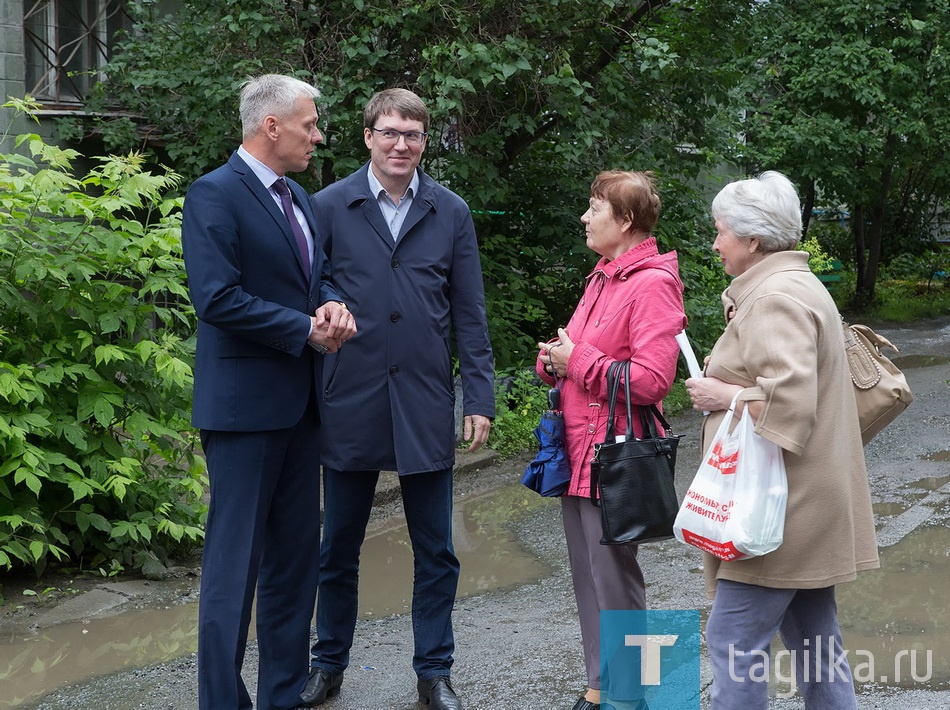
x: 632, y: 480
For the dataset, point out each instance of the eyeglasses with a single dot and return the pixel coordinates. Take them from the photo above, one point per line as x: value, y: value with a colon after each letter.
x: 390, y: 135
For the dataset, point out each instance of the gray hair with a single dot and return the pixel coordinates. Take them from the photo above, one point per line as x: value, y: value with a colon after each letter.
x: 271, y: 95
x: 765, y: 207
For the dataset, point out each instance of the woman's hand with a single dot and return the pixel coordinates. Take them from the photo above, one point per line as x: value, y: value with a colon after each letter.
x: 558, y: 352
x: 710, y: 394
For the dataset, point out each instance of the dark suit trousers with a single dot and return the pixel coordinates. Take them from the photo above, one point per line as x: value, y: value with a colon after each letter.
x: 427, y: 500
x: 263, y: 531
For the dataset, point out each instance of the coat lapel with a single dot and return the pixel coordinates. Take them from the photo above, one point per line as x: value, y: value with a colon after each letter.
x: 420, y: 207
x: 357, y: 191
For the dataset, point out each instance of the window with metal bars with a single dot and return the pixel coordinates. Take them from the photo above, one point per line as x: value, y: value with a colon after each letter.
x: 67, y: 43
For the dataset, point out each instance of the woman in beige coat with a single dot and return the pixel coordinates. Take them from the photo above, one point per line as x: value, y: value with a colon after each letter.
x: 783, y: 348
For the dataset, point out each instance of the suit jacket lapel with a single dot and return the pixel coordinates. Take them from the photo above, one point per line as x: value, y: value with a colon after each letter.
x: 303, y: 202
x: 267, y: 201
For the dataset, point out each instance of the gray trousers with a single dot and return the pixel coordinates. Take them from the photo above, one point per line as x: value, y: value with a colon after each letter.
x: 606, y: 577
x: 740, y: 629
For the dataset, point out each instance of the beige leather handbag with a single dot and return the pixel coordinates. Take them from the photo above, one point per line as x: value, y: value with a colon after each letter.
x: 880, y: 388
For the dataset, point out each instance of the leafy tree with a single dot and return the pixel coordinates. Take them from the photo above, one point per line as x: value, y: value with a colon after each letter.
x: 850, y: 98
x: 94, y: 378
x: 530, y: 101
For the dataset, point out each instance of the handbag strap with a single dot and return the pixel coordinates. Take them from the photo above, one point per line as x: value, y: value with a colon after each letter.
x: 620, y: 371
x: 613, y: 385
x: 617, y: 373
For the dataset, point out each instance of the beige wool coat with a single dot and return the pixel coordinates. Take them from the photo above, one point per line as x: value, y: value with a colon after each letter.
x: 783, y: 341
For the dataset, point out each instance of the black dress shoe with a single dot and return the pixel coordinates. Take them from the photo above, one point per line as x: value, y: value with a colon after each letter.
x: 585, y: 704
x: 437, y: 693
x: 321, y: 684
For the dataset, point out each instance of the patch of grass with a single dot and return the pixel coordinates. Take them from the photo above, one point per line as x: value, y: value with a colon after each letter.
x: 907, y: 301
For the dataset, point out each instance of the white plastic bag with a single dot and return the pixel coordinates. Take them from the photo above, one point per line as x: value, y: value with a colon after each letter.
x: 735, y: 506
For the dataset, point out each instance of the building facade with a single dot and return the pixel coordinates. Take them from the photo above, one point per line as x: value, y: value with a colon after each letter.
x: 54, y: 51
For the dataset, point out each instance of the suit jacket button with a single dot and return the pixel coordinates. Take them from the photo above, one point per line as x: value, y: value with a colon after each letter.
x: 395, y: 263
x: 394, y: 317
x: 393, y: 370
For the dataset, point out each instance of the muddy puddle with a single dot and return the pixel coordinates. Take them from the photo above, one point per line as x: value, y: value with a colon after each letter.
x: 490, y: 556
x: 32, y: 664
x: 915, y: 491
x: 892, y: 619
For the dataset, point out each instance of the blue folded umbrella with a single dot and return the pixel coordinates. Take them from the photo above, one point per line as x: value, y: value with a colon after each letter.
x: 550, y: 472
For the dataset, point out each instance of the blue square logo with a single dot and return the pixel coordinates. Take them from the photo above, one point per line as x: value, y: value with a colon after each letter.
x: 650, y: 656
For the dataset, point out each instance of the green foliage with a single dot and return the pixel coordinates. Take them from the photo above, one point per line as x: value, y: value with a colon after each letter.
x: 94, y: 376
x: 182, y: 75
x: 834, y: 239
x: 908, y: 301
x: 528, y: 104
x: 914, y: 287
x: 520, y: 398
x: 677, y: 401
x: 932, y: 268
x: 819, y: 261
x: 849, y: 97
x: 687, y: 227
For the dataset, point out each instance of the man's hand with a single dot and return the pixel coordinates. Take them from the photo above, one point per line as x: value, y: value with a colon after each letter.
x: 476, y: 427
x: 320, y: 341
x: 336, y: 321
x: 331, y: 326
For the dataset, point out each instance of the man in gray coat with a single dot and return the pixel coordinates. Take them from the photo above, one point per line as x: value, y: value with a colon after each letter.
x: 406, y: 263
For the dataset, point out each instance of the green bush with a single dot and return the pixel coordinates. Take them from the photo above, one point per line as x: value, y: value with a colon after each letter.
x: 94, y: 372
x: 520, y: 398
x: 928, y: 270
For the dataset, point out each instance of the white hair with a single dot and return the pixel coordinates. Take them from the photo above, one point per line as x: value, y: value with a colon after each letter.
x: 765, y: 207
x: 271, y: 95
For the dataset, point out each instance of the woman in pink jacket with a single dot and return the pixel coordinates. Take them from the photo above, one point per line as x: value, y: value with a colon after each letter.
x: 632, y: 309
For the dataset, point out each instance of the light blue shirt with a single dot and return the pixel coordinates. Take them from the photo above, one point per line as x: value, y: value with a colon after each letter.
x: 394, y: 214
x: 268, y: 177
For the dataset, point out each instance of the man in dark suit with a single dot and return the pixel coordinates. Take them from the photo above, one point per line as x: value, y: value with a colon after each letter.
x: 406, y: 261
x: 262, y: 295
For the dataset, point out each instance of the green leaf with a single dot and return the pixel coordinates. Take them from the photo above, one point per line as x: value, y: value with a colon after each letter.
x: 32, y: 481
x: 103, y: 412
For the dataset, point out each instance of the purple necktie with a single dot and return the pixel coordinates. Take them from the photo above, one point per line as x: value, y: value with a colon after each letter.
x: 288, y: 204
